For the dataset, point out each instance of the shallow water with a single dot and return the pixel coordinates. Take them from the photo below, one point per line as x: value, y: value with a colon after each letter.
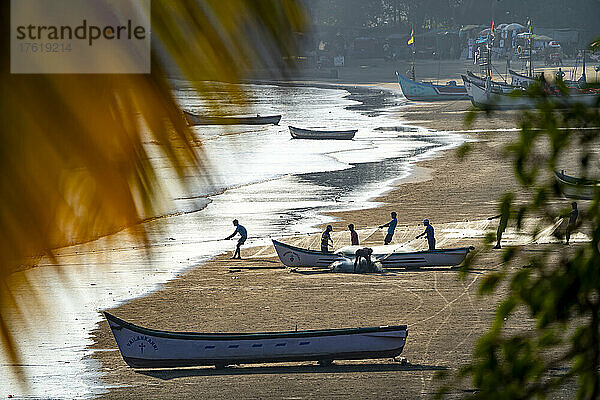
x: 274, y: 185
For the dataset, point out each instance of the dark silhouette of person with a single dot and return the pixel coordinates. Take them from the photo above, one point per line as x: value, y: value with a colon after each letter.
x: 504, y: 216
x: 243, y: 236
x: 353, y: 235
x: 544, y: 83
x: 573, y: 215
x: 391, y: 228
x: 365, y: 253
x: 325, y: 239
x: 560, y: 74
x: 501, y: 228
x: 429, y: 231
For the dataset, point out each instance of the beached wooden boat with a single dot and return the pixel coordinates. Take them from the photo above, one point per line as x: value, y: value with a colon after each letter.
x: 471, y: 77
x: 389, y: 256
x: 427, y: 91
x: 402, y: 257
x: 470, y: 83
x: 150, y: 348
x: 524, y: 80
x: 576, y: 188
x: 293, y: 256
x: 493, y: 98
x: 299, y: 133
x: 194, y: 119
x: 520, y: 79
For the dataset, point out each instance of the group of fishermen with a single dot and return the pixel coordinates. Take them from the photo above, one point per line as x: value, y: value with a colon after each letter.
x: 326, y: 240
x: 366, y: 252
x: 429, y: 233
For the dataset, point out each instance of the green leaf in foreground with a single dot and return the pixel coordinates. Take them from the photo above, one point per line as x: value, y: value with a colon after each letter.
x: 557, y: 286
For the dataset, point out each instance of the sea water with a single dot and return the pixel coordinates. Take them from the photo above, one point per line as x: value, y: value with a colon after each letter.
x: 273, y: 184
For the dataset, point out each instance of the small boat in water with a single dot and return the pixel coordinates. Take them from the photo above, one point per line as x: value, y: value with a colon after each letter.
x: 299, y: 133
x: 427, y: 91
x: 150, y: 348
x: 194, y: 119
x: 576, y: 188
x: 388, y: 256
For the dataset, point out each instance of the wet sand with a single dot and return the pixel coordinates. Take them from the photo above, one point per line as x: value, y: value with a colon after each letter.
x: 444, y: 314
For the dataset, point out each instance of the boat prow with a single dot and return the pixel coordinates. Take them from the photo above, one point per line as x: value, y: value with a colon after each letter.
x: 293, y: 256
x: 576, y: 188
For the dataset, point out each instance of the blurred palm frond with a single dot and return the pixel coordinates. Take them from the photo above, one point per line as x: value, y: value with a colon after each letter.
x: 74, y: 165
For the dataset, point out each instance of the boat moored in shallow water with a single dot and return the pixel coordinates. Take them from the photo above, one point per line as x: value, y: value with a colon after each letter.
x: 293, y: 256
x: 299, y: 133
x: 194, y: 119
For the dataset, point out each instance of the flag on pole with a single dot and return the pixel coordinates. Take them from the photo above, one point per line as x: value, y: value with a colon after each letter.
x: 412, y: 37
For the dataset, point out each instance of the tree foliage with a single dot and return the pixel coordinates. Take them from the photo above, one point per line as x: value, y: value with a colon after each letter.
x: 558, y: 287
x: 432, y: 14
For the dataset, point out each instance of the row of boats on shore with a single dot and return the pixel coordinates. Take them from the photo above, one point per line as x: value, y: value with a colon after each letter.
x: 142, y: 347
x: 388, y: 256
x: 485, y: 93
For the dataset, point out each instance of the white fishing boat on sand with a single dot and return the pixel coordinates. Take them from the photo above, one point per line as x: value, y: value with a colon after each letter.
x: 576, y: 188
x: 293, y: 256
x: 471, y: 77
x: 490, y: 97
x: 151, y: 348
x: 388, y: 256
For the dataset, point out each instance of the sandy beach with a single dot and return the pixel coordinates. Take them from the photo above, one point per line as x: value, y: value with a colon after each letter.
x: 444, y: 314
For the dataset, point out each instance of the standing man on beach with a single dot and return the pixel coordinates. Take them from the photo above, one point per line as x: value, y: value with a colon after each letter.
x: 573, y: 214
x: 243, y: 236
x: 391, y: 228
x: 353, y: 235
x: 501, y: 227
x: 505, y: 211
x: 326, y: 238
x: 429, y: 233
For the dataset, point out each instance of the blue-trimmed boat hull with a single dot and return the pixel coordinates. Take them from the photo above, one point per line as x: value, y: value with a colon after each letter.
x: 427, y: 91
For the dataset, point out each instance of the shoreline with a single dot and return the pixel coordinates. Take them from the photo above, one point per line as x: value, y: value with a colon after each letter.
x: 444, y: 314
x: 248, y: 295
x: 150, y: 277
x: 225, y: 271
